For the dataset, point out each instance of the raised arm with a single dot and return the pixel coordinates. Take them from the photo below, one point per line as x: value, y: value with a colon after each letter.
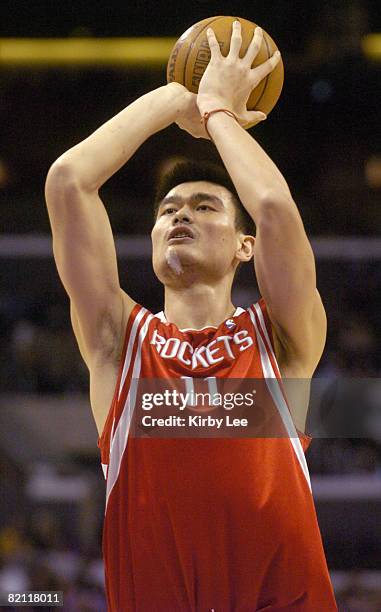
x: 283, y: 258
x: 83, y: 243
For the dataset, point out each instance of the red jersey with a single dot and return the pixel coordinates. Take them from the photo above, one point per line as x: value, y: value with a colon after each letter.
x: 216, y: 524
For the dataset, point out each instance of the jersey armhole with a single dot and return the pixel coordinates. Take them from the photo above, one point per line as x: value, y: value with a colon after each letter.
x: 267, y: 320
x: 305, y: 438
x: 104, y: 439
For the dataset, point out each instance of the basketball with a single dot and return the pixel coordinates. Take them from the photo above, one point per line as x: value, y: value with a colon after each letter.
x: 191, y: 54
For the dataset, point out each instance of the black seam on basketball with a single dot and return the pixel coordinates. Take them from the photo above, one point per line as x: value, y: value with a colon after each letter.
x: 192, y: 43
x: 267, y: 77
x: 178, y: 47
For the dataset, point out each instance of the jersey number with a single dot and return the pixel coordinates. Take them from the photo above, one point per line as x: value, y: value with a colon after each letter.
x: 192, y: 395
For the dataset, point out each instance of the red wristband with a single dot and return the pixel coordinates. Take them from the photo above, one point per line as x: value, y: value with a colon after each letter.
x: 206, y: 116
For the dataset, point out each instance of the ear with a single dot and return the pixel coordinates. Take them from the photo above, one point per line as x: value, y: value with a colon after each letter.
x: 245, y: 250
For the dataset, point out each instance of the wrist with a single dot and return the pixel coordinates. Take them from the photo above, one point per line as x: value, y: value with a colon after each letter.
x: 206, y: 105
x: 225, y: 114
x: 176, y: 89
x: 178, y: 98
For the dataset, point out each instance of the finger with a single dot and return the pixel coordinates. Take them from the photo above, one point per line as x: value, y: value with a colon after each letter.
x: 214, y: 47
x: 255, y: 45
x: 235, y: 41
x: 261, y: 71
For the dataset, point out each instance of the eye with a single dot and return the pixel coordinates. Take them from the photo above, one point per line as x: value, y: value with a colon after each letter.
x: 168, y: 210
x: 204, y: 207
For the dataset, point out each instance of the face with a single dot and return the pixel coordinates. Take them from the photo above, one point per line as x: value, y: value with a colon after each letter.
x: 194, y: 235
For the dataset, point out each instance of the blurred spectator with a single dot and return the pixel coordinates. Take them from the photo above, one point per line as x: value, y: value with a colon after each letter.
x: 339, y: 29
x: 361, y: 593
x: 46, y: 357
x: 356, y: 347
x: 43, y: 562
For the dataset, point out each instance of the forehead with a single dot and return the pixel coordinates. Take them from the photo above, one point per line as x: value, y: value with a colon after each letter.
x: 186, y: 190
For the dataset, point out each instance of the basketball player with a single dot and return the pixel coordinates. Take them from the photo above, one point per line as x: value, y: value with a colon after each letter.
x: 198, y: 524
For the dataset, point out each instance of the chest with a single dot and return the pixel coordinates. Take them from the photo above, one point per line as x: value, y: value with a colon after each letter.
x: 227, y: 351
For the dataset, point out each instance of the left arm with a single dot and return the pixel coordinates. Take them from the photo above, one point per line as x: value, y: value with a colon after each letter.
x: 283, y: 258
x: 284, y: 262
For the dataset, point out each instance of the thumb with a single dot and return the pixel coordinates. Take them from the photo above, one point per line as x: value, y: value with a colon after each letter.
x: 254, y: 117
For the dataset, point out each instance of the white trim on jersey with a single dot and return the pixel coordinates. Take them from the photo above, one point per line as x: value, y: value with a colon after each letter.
x: 119, y: 441
x: 127, y: 359
x: 131, y: 341
x: 161, y: 315
x: 275, y: 390
x: 259, y: 312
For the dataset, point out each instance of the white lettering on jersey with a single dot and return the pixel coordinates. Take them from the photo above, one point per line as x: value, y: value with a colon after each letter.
x: 226, y: 340
x: 242, y: 337
x: 198, y: 356
x: 216, y: 351
x: 210, y: 352
x: 180, y: 355
x: 157, y: 341
x: 168, y: 353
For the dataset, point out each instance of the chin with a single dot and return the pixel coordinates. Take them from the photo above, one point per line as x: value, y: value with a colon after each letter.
x: 175, y: 264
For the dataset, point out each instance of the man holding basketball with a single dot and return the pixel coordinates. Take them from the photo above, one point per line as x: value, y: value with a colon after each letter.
x: 198, y: 524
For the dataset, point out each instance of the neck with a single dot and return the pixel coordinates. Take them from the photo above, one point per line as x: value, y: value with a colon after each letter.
x: 198, y: 305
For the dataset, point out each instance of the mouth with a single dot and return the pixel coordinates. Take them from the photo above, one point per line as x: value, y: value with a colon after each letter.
x: 180, y: 234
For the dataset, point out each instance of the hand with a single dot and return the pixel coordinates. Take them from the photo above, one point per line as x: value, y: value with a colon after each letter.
x: 190, y: 118
x: 228, y: 81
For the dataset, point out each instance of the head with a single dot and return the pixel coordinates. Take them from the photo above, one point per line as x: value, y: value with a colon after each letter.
x: 201, y: 229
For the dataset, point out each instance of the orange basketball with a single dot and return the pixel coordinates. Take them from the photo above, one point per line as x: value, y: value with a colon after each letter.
x: 191, y: 54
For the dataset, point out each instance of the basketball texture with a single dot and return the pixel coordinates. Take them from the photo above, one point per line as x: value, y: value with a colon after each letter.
x: 191, y: 54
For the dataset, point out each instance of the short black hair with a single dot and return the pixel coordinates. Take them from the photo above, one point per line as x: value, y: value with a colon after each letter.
x: 186, y: 171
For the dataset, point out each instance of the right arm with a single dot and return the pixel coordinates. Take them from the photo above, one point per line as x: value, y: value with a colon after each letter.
x: 83, y: 243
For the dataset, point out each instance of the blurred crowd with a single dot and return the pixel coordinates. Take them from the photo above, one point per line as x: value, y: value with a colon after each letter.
x: 37, y: 558
x: 42, y: 355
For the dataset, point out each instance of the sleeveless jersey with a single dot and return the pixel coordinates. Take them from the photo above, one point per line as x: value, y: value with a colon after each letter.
x: 214, y: 524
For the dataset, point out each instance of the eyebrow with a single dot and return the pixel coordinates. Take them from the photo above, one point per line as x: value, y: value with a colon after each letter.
x: 196, y: 197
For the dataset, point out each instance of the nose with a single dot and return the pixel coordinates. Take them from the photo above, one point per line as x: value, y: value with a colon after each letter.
x: 183, y: 215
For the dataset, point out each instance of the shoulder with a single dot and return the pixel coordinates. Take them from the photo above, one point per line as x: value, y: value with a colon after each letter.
x: 137, y: 321
x: 258, y: 314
